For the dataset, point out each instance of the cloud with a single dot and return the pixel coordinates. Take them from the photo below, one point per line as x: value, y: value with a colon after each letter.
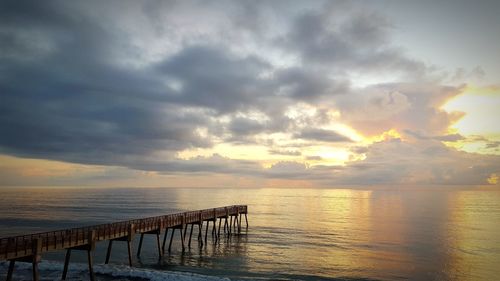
x: 285, y: 152
x: 476, y: 74
x: 493, y: 144
x: 447, y: 137
x: 357, y: 42
x: 322, y: 135
x: 314, y: 157
x: 400, y: 106
x: 130, y: 85
x: 245, y: 126
x: 83, y: 107
x: 288, y: 170
x: 209, y: 77
x: 424, y: 162
x: 307, y: 85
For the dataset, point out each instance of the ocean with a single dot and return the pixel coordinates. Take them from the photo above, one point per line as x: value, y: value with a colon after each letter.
x: 293, y: 234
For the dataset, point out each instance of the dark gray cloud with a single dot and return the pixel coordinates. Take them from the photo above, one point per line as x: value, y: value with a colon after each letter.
x: 322, y: 135
x: 316, y: 158
x: 244, y: 126
x: 67, y: 96
x: 207, y: 165
x: 308, y: 85
x: 74, y: 104
x: 210, y: 77
x: 287, y: 152
x: 357, y: 42
x: 493, y: 144
x: 447, y: 137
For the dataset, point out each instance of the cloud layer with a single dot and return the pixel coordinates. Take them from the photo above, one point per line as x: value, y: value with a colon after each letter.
x: 136, y: 84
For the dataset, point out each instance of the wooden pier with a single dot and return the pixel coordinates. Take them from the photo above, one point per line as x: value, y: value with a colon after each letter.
x: 28, y: 248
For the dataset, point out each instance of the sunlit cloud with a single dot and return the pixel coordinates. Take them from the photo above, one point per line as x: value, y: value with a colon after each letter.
x: 493, y: 179
x: 479, y: 124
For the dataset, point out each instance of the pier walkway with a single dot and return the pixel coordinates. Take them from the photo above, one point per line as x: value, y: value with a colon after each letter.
x: 28, y: 248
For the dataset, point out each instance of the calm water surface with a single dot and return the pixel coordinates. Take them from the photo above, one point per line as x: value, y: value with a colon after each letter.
x: 294, y: 234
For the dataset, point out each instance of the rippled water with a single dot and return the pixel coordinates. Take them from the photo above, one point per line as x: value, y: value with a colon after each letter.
x: 294, y: 234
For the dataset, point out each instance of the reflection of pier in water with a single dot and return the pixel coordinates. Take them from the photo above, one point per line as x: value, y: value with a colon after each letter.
x: 28, y: 248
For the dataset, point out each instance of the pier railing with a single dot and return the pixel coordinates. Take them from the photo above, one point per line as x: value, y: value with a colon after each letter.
x: 17, y: 247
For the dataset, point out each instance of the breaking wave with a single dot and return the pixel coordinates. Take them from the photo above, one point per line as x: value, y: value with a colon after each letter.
x: 51, y: 270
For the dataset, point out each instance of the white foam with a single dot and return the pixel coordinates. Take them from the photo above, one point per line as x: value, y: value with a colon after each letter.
x: 53, y: 271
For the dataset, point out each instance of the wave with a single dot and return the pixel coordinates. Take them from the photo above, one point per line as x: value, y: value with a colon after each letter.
x: 51, y: 270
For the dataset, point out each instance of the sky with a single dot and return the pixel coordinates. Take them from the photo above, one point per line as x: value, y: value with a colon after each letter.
x: 249, y: 93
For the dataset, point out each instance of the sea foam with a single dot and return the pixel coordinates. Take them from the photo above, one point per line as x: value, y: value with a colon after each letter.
x: 51, y: 270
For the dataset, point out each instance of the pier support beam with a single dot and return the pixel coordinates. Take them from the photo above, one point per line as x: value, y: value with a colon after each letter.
x: 226, y: 217
x: 156, y: 232
x: 181, y: 229
x: 230, y: 224
x: 214, y: 230
x: 34, y: 259
x: 214, y: 227
x: 89, y: 247
x: 66, y: 263
x: 164, y: 240
x: 12, y: 263
x: 206, y: 231
x: 200, y: 236
x: 129, y: 238
x: 218, y: 230
x: 238, y: 220
x: 234, y: 225
x: 200, y: 229
x: 226, y: 226
x: 190, y: 235
x: 108, y: 253
x: 214, y: 233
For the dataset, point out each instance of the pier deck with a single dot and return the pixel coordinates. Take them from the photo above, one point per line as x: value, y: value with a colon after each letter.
x: 29, y: 247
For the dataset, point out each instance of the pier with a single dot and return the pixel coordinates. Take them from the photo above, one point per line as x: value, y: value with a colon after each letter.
x: 28, y: 248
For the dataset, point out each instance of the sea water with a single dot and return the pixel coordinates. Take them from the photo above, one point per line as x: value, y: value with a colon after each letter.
x: 293, y: 234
